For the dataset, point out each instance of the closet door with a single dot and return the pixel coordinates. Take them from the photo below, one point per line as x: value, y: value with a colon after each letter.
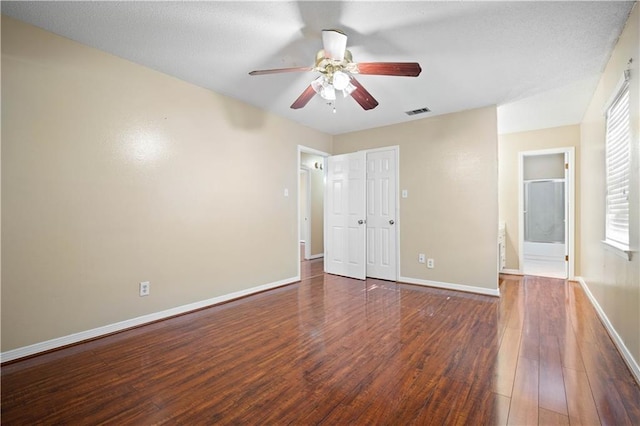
x: 345, y: 215
x: 381, y: 215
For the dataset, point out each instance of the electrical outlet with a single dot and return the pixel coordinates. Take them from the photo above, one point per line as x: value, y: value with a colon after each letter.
x: 430, y: 264
x: 145, y: 288
x: 421, y: 258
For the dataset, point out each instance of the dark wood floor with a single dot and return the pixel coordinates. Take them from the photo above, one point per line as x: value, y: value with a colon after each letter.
x: 331, y: 350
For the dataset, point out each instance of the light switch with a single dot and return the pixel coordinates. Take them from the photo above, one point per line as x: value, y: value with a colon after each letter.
x: 405, y: 193
x: 286, y: 192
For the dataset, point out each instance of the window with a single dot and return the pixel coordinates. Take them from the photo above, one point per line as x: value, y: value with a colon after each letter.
x: 618, y: 167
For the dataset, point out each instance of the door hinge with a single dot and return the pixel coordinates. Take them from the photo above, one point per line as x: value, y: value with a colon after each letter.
x: 566, y: 166
x: 566, y: 258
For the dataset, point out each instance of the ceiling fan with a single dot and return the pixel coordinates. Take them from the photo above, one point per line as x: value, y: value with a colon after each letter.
x: 335, y: 64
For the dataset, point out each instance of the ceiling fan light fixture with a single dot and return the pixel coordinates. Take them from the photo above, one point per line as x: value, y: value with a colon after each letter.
x: 318, y: 84
x: 323, y: 88
x: 341, y: 80
x: 328, y: 93
x: 335, y: 64
x: 347, y: 91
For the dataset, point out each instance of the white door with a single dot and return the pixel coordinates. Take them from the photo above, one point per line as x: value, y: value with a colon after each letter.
x: 345, y: 215
x: 381, y: 215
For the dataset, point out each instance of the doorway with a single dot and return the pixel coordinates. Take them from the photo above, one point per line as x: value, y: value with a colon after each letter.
x: 311, y: 169
x: 546, y: 213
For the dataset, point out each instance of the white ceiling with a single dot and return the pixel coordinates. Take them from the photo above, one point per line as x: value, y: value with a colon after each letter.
x: 523, y: 56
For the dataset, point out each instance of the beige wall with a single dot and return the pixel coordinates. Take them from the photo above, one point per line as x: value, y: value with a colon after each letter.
x: 114, y: 174
x: 316, y: 216
x: 449, y: 166
x: 510, y: 146
x: 613, y: 281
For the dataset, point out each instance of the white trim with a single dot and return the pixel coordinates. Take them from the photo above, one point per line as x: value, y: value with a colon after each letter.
x: 451, y: 286
x: 134, y: 322
x: 617, y: 340
x: 302, y: 148
x: 512, y: 272
x: 316, y: 256
x: 308, y: 226
x: 619, y: 249
x: 570, y: 156
x: 544, y: 180
x: 570, y: 197
x: 521, y: 210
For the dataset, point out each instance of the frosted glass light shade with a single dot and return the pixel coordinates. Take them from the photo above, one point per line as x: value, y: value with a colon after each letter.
x: 328, y: 93
x: 340, y: 80
x: 318, y: 84
x: 348, y: 90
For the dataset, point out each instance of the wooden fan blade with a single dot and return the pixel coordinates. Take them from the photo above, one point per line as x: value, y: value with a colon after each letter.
x: 334, y: 43
x: 304, y: 98
x: 279, y: 70
x: 404, y: 69
x: 363, y: 97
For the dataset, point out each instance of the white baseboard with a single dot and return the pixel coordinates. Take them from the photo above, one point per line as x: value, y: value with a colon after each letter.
x: 617, y: 340
x: 451, y: 286
x: 133, y: 322
x: 511, y: 271
x: 316, y: 256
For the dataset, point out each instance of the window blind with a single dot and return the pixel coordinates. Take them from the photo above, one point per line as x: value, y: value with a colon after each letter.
x: 618, y: 164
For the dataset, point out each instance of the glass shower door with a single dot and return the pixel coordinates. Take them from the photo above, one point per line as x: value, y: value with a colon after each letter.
x: 544, y: 211
x: 544, y: 227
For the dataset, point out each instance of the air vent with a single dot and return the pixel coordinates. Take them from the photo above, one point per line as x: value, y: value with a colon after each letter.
x: 418, y: 111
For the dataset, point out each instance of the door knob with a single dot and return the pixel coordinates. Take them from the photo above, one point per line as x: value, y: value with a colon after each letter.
x: 360, y: 222
x: 391, y: 222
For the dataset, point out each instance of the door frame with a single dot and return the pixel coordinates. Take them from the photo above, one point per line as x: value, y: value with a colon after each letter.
x: 308, y: 150
x: 569, y: 153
